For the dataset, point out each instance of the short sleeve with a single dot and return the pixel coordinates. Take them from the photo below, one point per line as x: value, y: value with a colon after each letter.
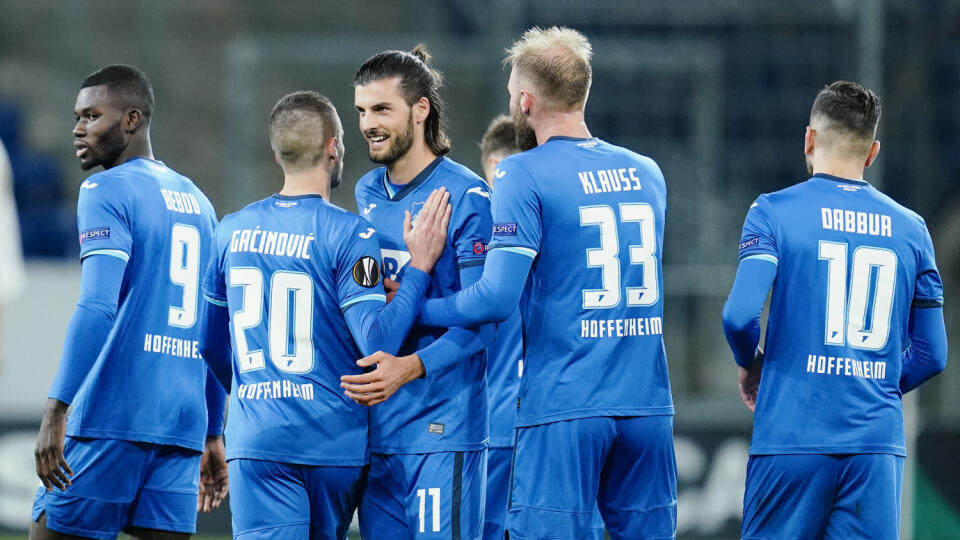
x: 103, y: 219
x: 357, y: 268
x: 758, y: 239
x: 928, y: 290
x: 516, y: 210
x: 214, y: 277
x: 471, y: 226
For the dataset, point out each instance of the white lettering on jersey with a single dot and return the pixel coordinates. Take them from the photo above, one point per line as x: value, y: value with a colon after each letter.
x: 183, y: 203
x: 837, y: 219
x: 609, y: 180
x: 271, y: 243
x: 615, y: 328
x: 848, y: 367
x: 88, y: 185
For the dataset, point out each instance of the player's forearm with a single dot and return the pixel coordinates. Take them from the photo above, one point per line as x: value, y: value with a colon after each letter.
x: 90, y: 325
x: 216, y: 403
x: 491, y: 299
x: 385, y: 328
x: 741, y: 313
x: 454, y: 346
x: 927, y: 354
x: 86, y: 335
x: 215, y: 342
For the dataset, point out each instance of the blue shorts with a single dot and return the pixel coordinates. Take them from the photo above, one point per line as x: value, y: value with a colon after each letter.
x: 282, y: 501
x: 121, y: 484
x: 823, y: 496
x: 438, y: 495
x: 498, y: 487
x: 563, y: 470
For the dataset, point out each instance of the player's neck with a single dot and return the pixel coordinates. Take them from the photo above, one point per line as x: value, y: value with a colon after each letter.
x: 309, y: 182
x: 408, y: 166
x: 137, y: 147
x: 561, y: 124
x: 841, y: 168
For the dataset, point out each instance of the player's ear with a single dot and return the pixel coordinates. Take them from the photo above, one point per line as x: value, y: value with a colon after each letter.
x: 332, y: 148
x: 808, y: 140
x: 526, y: 102
x: 874, y: 150
x: 421, y: 110
x: 132, y: 120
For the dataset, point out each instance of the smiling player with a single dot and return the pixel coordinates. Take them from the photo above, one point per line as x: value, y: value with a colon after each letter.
x: 428, y: 441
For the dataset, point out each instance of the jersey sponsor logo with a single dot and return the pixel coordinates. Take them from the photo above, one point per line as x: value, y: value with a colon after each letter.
x: 88, y: 185
x: 366, y: 234
x: 478, y: 191
x: 97, y: 233
x: 435, y: 428
x: 393, y: 262
x: 366, y: 272
x: 369, y: 209
x: 500, y: 173
x: 504, y: 229
x: 751, y: 242
x: 286, y: 204
x: 479, y: 248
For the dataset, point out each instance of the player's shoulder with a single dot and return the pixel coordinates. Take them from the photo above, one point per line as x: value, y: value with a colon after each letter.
x: 459, y: 180
x: 368, y: 181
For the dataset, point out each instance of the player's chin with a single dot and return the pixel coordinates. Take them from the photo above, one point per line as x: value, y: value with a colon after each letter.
x: 87, y: 163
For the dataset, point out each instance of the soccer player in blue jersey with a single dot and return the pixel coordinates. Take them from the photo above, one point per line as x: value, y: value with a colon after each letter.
x: 855, y: 322
x: 129, y: 455
x: 504, y: 360
x: 299, y: 281
x: 578, y: 223
x: 428, y: 441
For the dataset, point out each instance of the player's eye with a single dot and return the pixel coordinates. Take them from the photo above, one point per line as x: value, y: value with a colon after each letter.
x: 91, y: 117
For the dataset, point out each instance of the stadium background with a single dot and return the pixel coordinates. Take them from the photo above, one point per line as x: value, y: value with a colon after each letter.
x: 718, y: 92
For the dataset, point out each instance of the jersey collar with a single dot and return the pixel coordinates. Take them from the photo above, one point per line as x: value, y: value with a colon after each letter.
x: 296, y: 197
x: 575, y: 139
x: 833, y: 178
x: 395, y: 195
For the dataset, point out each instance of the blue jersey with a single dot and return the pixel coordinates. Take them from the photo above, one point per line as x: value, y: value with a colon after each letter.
x: 148, y: 382
x: 286, y: 268
x: 504, y: 368
x: 445, y: 411
x: 850, y: 264
x: 591, y: 216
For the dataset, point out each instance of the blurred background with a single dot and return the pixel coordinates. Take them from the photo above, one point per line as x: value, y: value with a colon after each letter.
x: 717, y: 91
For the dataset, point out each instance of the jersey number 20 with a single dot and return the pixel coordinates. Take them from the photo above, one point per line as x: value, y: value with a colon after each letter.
x: 291, y: 307
x: 607, y: 256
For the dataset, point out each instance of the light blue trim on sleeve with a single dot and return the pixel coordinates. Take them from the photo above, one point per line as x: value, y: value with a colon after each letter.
x: 214, y: 301
x: 532, y: 253
x: 122, y: 255
x: 364, y: 298
x: 762, y: 257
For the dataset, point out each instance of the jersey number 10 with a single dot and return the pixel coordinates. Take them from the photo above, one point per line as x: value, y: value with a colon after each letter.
x: 859, y: 317
x: 607, y: 256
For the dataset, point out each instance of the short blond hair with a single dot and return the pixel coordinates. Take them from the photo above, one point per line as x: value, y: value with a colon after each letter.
x: 557, y: 61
